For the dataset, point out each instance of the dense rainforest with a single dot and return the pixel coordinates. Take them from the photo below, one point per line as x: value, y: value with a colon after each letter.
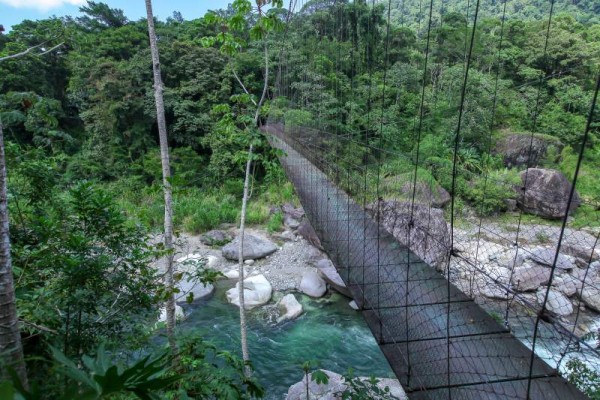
x: 84, y: 166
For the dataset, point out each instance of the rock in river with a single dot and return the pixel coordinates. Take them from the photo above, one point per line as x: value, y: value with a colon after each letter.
x: 257, y: 291
x: 289, y: 308
x: 254, y: 248
x: 332, y: 390
x: 312, y: 284
x: 329, y: 273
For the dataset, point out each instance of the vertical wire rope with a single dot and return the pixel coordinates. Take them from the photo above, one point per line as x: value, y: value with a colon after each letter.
x: 369, y: 61
x: 453, y: 192
x: 530, y: 151
x: 491, y: 128
x: 379, y: 158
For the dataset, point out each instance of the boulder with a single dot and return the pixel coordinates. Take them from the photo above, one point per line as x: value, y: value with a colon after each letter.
x: 334, y: 388
x: 232, y: 274
x: 254, y: 248
x: 430, y: 193
x: 525, y: 150
x: 429, y: 237
x: 179, y: 314
x: 545, y: 192
x: 289, y: 308
x: 312, y: 284
x: 257, y: 291
x: 306, y: 231
x: 591, y: 295
x: 494, y: 292
x: 216, y: 238
x: 530, y: 277
x: 190, y: 288
x: 557, y: 303
x: 329, y: 273
x: 566, y: 284
x: 583, y: 252
x: 545, y: 256
x: 292, y: 216
x: 512, y: 258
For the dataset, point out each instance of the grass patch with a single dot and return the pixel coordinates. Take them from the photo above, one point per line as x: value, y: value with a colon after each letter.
x: 196, y: 210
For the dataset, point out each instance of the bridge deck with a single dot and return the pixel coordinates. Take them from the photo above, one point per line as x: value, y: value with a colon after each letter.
x: 439, y: 343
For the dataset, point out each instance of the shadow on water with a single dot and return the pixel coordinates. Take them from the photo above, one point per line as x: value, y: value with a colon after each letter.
x: 328, y: 331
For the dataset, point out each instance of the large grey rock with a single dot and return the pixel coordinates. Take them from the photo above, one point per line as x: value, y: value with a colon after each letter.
x: 557, y: 302
x: 335, y: 387
x: 216, y: 238
x: 545, y: 192
x: 289, y: 308
x: 254, y: 248
x: 312, y: 284
x: 525, y: 150
x: 530, y: 277
x: 511, y: 258
x: 329, y: 273
x: 306, y: 231
x: 494, y: 292
x: 190, y: 289
x: 257, y: 291
x: 430, y: 193
x: 292, y: 217
x: 428, y: 238
x: 566, y: 284
x: 583, y: 252
x: 545, y: 256
x: 591, y: 295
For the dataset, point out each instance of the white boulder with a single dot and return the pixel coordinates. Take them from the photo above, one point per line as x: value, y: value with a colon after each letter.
x: 289, y: 308
x: 257, y: 291
x: 312, y: 284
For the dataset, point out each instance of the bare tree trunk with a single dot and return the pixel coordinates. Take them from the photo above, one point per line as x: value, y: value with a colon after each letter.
x: 166, y: 171
x: 243, y: 329
x: 11, y: 348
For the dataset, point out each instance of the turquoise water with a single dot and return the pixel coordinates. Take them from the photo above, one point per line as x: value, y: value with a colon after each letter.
x: 328, y: 331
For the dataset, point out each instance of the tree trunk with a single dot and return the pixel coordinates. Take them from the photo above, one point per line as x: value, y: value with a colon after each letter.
x: 166, y: 171
x: 243, y: 330
x: 10, y: 337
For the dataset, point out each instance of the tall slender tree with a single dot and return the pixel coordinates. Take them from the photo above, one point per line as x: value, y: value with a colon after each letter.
x: 262, y: 24
x: 166, y: 172
x: 11, y: 348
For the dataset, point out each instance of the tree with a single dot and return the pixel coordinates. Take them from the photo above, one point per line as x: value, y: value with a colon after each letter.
x: 264, y: 22
x: 10, y: 336
x: 166, y: 172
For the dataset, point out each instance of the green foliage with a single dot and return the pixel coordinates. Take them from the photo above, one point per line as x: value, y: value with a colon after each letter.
x: 364, y: 389
x: 297, y: 119
x: 83, y: 272
x: 584, y: 377
x: 275, y: 222
x: 489, y: 193
x: 211, y: 373
x: 100, y: 378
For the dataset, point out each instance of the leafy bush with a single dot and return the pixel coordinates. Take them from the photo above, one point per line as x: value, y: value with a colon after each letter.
x: 584, y: 377
x: 489, y: 194
x: 297, y: 118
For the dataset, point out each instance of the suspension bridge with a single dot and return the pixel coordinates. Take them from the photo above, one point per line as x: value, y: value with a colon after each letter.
x: 450, y: 321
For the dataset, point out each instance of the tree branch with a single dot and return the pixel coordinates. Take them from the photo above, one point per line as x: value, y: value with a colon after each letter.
x: 243, y: 87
